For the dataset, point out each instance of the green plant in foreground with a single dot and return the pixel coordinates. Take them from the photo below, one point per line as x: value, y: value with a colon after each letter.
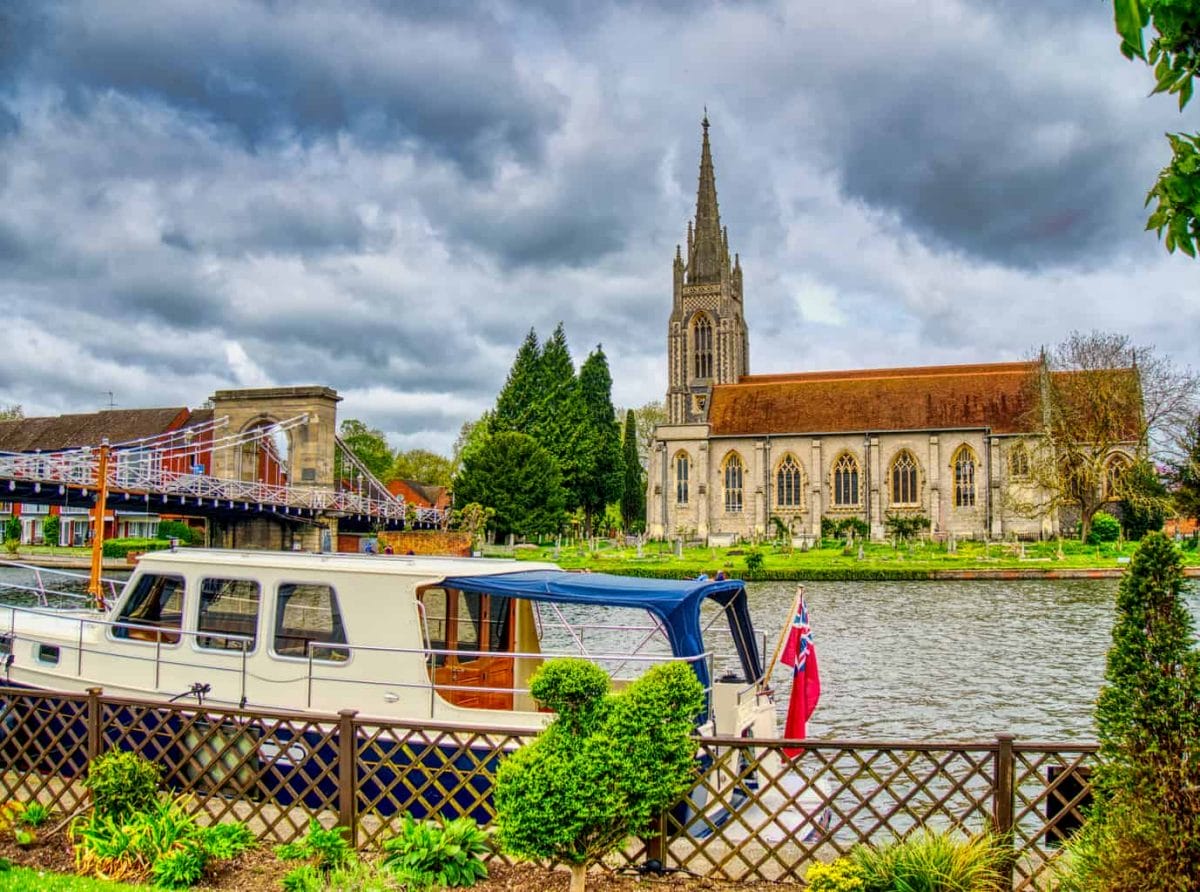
x: 122, y: 783
x: 304, y: 878
x: 225, y: 841
x: 180, y: 866
x: 328, y: 849
x: 34, y: 815
x: 931, y: 862
x: 842, y: 875
x: 426, y: 853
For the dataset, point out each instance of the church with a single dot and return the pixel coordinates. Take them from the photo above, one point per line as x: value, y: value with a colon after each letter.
x: 947, y: 443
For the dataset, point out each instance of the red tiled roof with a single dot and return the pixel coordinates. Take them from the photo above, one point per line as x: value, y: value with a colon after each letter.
x: 72, y: 431
x: 995, y: 395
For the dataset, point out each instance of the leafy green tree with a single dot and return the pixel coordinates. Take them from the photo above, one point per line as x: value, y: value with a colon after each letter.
x: 633, y: 500
x: 512, y: 474
x: 422, y: 466
x: 50, y: 530
x: 470, y: 437
x: 1143, y: 508
x: 369, y: 446
x: 11, y: 413
x: 1174, y: 51
x: 557, y: 419
x: 519, y: 401
x: 1185, y: 473
x: 602, y: 478
x: 12, y: 534
x: 1144, y: 832
x: 603, y: 769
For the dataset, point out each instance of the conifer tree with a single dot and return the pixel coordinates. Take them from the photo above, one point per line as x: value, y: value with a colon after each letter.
x: 602, y: 479
x: 1146, y: 821
x: 633, y: 500
x: 558, y: 418
x: 522, y: 391
x: 513, y: 475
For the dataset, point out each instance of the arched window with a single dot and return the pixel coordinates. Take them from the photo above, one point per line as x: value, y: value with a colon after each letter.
x: 733, y: 483
x: 964, y: 477
x: 789, y: 491
x: 845, y: 480
x: 681, y: 478
x: 702, y: 341
x: 1018, y: 462
x: 904, y: 479
x: 1114, y: 475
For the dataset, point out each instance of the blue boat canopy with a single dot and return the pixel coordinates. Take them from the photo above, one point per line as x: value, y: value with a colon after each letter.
x: 676, y: 602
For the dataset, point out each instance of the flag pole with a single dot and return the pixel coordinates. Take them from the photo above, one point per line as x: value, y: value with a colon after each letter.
x: 783, y: 633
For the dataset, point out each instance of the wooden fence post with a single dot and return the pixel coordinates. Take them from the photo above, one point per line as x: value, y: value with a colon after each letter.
x: 1003, y: 805
x: 656, y: 843
x: 348, y: 775
x: 93, y: 724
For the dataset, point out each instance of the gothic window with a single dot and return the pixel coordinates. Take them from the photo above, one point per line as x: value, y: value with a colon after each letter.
x: 964, y: 477
x: 733, y: 483
x: 702, y: 345
x: 904, y: 479
x: 1114, y: 475
x: 1018, y: 462
x: 845, y: 480
x: 681, y: 478
x: 789, y: 492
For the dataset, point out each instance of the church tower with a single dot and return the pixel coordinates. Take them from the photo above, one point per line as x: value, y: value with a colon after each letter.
x: 706, y: 337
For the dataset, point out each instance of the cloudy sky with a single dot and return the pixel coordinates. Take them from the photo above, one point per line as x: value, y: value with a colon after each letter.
x: 384, y: 197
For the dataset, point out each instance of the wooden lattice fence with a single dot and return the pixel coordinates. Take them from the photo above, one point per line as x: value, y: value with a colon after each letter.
x: 754, y: 815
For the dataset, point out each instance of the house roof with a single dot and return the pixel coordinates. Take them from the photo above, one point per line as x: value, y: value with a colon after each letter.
x: 73, y: 431
x: 425, y: 494
x: 993, y: 395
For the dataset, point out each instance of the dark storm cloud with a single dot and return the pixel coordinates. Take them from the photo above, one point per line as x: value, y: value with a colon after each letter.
x: 314, y: 69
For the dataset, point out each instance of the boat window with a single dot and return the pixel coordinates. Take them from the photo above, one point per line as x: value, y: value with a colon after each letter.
x: 466, y: 622
x: 308, y: 620
x: 437, y: 614
x: 48, y: 653
x: 498, y: 624
x: 228, y: 607
x: 157, y: 601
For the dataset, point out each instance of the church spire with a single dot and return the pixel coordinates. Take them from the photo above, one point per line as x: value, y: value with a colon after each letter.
x: 707, y: 252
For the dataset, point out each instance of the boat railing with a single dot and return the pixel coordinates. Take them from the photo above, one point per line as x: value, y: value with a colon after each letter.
x: 42, y: 592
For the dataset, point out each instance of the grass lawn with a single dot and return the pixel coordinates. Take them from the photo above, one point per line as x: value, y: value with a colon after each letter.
x: 28, y: 879
x: 833, y: 560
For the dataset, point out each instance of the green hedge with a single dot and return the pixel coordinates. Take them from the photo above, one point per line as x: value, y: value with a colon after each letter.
x: 813, y: 574
x: 119, y: 548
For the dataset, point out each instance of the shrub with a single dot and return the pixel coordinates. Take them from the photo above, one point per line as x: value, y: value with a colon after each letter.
x: 12, y: 534
x: 328, y: 849
x: 119, y: 548
x: 906, y: 526
x: 1105, y: 528
x: 754, y: 560
x: 34, y: 815
x: 225, y: 841
x: 426, y: 853
x: 602, y: 769
x: 935, y: 862
x: 176, y: 529
x: 842, y: 875
x: 1145, y: 826
x: 304, y: 878
x: 50, y: 530
x: 122, y: 783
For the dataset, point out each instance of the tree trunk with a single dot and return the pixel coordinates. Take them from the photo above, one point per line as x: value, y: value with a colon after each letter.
x: 578, y: 877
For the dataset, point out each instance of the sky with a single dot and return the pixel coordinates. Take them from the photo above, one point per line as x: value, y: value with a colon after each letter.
x: 384, y: 198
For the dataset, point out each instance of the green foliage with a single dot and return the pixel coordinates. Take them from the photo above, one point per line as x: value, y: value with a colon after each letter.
x: 520, y: 480
x: 12, y: 534
x: 122, y: 783
x: 832, y: 528
x: 119, y: 548
x: 575, y: 690
x: 603, y: 769
x: 427, y: 853
x: 422, y: 466
x: 520, y: 398
x: 29, y: 879
x: 633, y: 499
x: 906, y: 526
x: 1176, y: 217
x: 177, y: 529
x: 326, y: 848
x: 754, y: 560
x: 50, y: 530
x: 179, y: 867
x: 602, y: 477
x: 369, y: 446
x: 1185, y: 473
x: 842, y: 875
x: 1143, y: 508
x: 1105, y: 528
x: 304, y: 878
x: 1147, y: 811
x: 931, y: 862
x: 228, y: 840
x: 34, y: 815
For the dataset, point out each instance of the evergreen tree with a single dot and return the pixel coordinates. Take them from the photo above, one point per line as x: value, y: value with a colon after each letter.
x: 1142, y: 508
x: 522, y: 392
x: 558, y: 418
x: 1185, y: 474
x: 1146, y: 822
x: 512, y: 474
x: 602, y: 478
x: 633, y: 500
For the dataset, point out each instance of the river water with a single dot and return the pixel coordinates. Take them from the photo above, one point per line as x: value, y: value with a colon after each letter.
x: 946, y: 660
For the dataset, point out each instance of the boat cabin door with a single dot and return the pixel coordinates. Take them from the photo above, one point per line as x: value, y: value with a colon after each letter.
x: 470, y: 638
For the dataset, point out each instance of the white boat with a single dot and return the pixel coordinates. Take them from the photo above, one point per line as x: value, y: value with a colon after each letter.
x: 414, y: 639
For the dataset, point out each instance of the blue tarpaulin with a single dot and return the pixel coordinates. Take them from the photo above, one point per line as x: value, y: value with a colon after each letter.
x: 675, y: 602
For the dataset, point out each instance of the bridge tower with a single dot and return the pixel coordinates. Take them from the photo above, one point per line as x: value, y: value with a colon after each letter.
x: 303, y: 457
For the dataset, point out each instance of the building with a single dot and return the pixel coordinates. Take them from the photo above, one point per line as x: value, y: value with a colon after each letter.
x: 949, y: 443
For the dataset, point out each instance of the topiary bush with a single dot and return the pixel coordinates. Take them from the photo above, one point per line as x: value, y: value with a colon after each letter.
x: 603, y: 769
x: 1105, y: 528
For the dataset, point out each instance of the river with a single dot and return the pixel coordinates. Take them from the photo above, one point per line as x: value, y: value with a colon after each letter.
x: 946, y: 660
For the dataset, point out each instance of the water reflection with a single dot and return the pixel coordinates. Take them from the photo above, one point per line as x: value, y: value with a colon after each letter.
x: 954, y: 660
